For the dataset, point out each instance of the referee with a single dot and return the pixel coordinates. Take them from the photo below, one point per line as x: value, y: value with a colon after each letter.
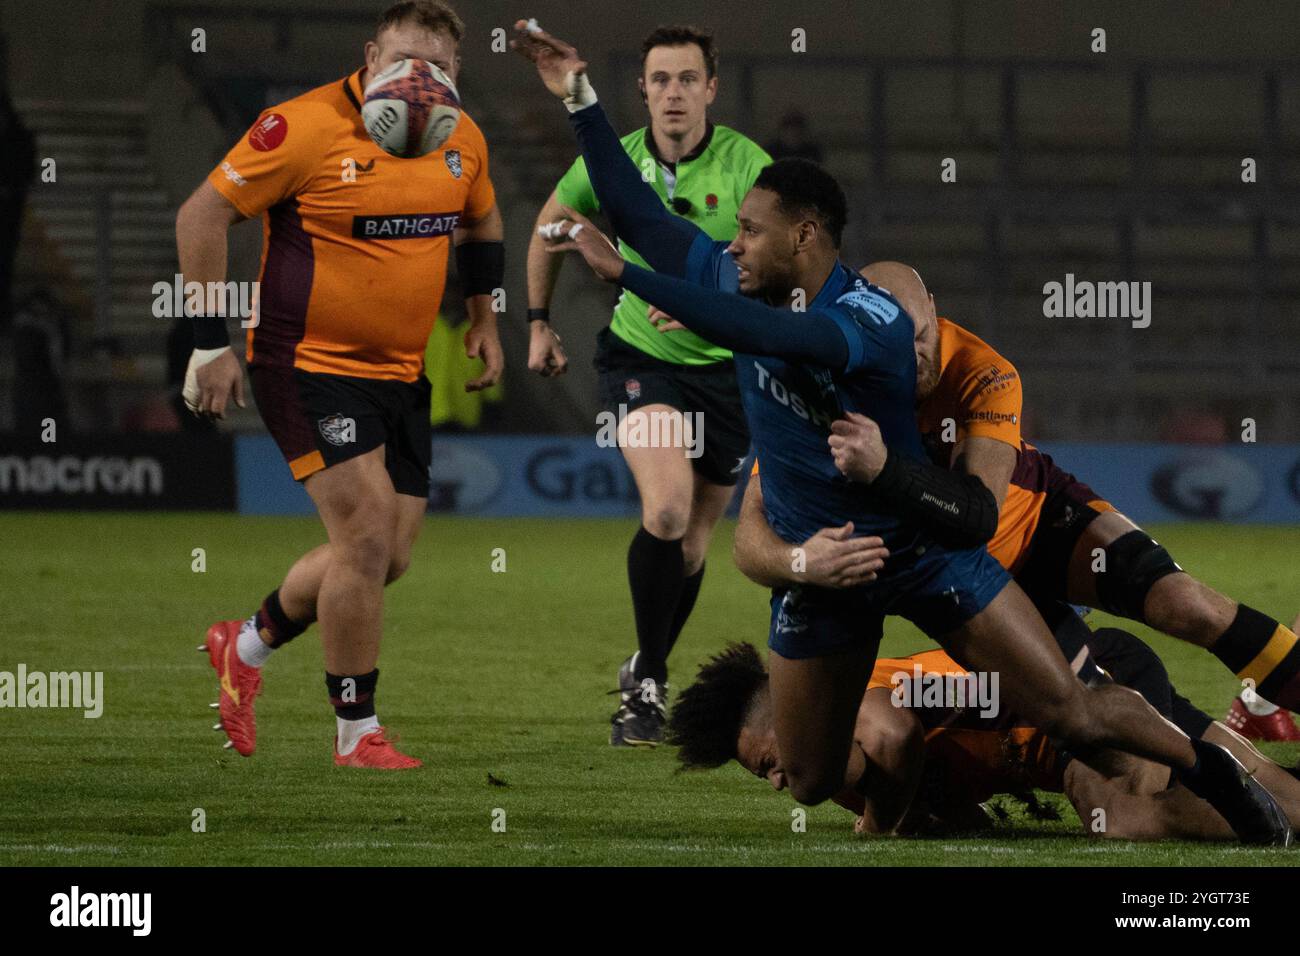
x: 701, y: 171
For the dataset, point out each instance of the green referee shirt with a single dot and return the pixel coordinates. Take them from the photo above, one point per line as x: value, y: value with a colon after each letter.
x: 714, y: 178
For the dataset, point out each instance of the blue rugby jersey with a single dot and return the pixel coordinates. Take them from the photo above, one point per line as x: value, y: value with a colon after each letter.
x: 791, y: 402
x: 851, y: 350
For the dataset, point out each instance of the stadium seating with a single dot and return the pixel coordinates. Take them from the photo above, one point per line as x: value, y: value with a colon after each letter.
x: 1111, y: 173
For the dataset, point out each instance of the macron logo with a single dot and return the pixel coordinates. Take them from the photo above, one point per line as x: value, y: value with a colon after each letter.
x: 74, y: 909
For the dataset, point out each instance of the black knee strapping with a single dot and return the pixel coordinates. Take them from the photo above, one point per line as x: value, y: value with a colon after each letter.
x: 1134, y: 563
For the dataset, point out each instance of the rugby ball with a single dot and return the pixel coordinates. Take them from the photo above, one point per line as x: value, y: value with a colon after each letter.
x: 410, y: 109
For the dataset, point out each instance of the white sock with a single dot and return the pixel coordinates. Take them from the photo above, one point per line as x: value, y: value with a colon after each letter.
x: 1258, y: 705
x: 351, y: 732
x: 252, y: 650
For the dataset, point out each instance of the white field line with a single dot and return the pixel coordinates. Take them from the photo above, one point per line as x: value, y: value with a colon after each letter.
x: 853, y: 849
x: 882, y: 847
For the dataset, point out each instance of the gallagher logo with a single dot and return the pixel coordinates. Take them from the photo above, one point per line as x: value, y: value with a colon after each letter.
x: 462, y: 479
x: 1212, y: 485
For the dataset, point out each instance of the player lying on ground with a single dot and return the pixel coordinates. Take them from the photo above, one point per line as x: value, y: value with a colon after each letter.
x: 337, y: 355
x: 701, y: 171
x: 930, y: 765
x: 853, y: 348
x: 1060, y: 540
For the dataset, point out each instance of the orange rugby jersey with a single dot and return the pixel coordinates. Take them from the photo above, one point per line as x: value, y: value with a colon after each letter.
x: 355, y: 242
x: 980, y: 392
x: 969, y: 757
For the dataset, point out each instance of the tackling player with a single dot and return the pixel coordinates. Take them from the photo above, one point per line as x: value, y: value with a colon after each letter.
x: 852, y: 347
x: 1058, y: 537
x: 352, y: 276
x: 932, y: 762
x: 700, y: 170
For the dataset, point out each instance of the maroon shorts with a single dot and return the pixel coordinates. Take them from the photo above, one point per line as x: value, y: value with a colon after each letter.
x: 1068, y: 508
x: 319, y: 420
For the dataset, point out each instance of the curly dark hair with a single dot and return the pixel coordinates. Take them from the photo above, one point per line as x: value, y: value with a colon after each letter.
x: 683, y: 36
x: 707, y: 717
x: 807, y: 191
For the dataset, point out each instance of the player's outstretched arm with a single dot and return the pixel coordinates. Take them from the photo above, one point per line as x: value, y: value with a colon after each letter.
x: 635, y: 212
x: 740, y: 324
x: 724, y: 318
x: 634, y: 209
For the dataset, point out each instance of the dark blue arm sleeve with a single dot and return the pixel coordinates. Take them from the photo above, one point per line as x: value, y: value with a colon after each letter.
x: 741, y: 324
x: 634, y: 209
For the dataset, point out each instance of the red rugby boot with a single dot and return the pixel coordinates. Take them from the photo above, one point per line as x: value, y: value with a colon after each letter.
x: 1277, y: 727
x: 375, y: 750
x: 240, y: 685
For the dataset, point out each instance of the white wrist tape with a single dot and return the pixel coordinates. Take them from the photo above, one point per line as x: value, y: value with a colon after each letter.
x: 190, y: 390
x: 581, y: 94
x: 560, y: 229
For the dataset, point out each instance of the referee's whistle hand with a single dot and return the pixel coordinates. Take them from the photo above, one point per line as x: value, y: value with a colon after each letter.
x: 545, y: 353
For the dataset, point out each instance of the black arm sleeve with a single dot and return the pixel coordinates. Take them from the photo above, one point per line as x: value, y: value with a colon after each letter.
x: 957, y: 508
x: 743, y: 325
x: 634, y: 209
x: 481, y: 265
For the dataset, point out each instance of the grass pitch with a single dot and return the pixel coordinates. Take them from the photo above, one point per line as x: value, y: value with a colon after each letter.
x: 496, y: 680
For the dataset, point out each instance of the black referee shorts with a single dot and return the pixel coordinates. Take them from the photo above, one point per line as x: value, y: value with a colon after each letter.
x: 630, y: 378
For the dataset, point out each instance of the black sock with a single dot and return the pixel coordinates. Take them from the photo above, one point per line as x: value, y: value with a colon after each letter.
x: 272, y: 619
x: 655, y: 571
x: 355, y: 701
x: 685, y: 604
x: 1196, y: 778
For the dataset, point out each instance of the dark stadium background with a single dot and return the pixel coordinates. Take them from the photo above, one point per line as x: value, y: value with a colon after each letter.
x: 1116, y: 166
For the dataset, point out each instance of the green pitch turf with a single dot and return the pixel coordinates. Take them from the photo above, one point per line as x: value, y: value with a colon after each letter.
x: 496, y: 680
